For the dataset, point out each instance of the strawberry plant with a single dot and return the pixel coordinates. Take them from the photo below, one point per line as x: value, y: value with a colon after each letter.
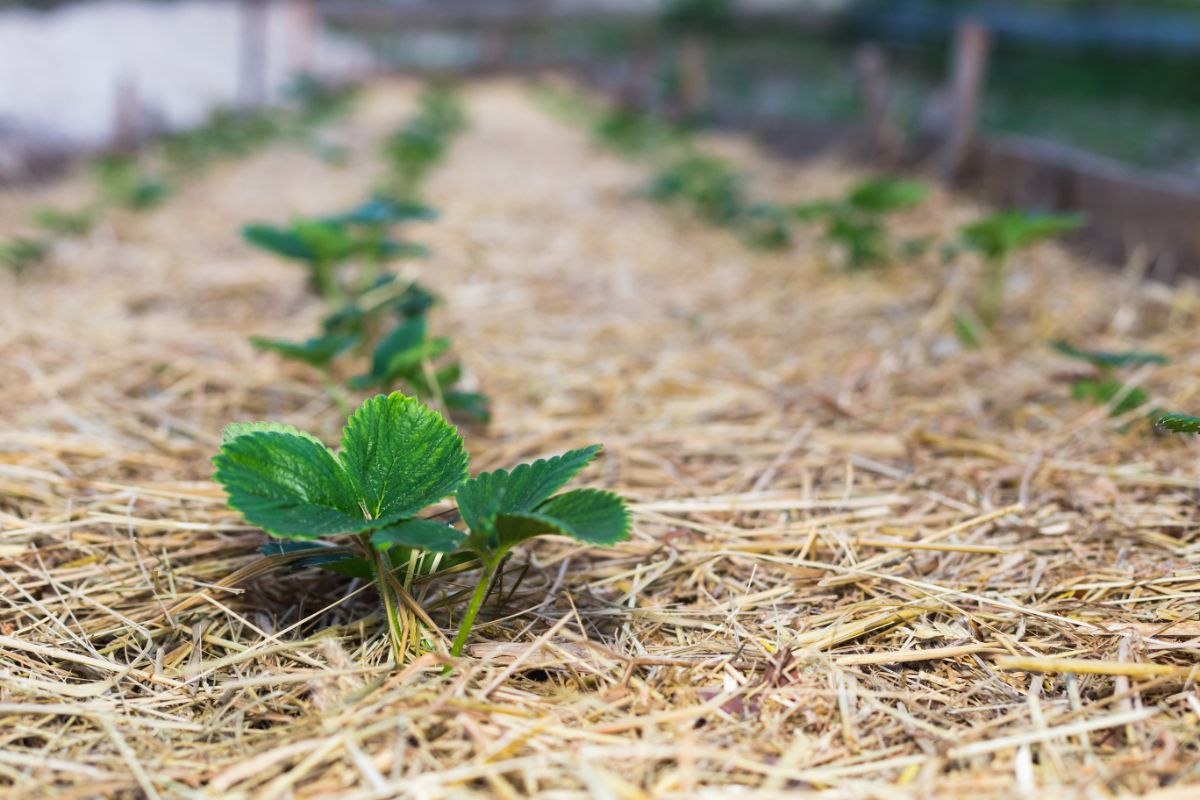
x: 64, y: 223
x: 1000, y: 236
x: 397, y: 459
x: 421, y: 144
x: 706, y: 185
x: 124, y: 183
x: 764, y: 226
x: 440, y: 109
x: 1104, y: 387
x: 405, y: 358
x: 632, y: 134
x: 318, y: 353
x: 855, y: 225
x: 19, y: 253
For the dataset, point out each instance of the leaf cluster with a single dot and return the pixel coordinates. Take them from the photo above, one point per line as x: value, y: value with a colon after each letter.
x: 20, y: 253
x: 856, y: 224
x: 397, y: 458
x: 999, y: 235
x: 125, y: 183
x: 419, y: 146
x: 372, y: 312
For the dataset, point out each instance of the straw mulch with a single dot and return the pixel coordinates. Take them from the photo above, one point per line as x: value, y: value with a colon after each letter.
x: 862, y: 555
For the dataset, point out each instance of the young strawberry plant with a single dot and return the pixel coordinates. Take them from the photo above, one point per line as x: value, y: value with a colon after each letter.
x: 64, y: 223
x: 997, y: 239
x: 420, y: 145
x: 765, y: 226
x: 124, y: 183
x: 632, y: 134
x: 320, y: 245
x: 1104, y: 387
x: 855, y: 225
x: 397, y: 458
x: 405, y: 357
x: 19, y: 253
x: 706, y: 185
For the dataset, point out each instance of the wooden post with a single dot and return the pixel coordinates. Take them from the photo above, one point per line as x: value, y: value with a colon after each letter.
x: 879, y: 135
x: 693, y: 75
x: 971, y: 45
x: 643, y: 59
x: 252, y: 63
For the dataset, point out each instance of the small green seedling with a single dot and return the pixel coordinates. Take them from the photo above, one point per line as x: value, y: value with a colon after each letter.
x: 997, y: 238
x: 405, y: 357
x: 124, y: 183
x: 397, y: 458
x: 855, y: 224
x: 886, y: 195
x: 706, y: 185
x: 64, y: 223
x: 382, y: 212
x: 318, y: 101
x: 318, y: 353
x: 320, y: 245
x: 764, y: 226
x: 441, y: 110
x: 632, y: 134
x: 1105, y: 387
x: 19, y: 254
x: 413, y: 151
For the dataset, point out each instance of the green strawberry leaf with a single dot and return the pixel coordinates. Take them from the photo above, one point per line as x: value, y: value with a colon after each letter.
x: 333, y: 559
x: 1104, y: 359
x: 235, y: 429
x: 591, y: 516
x: 883, y: 195
x: 473, y: 405
x: 401, y: 456
x: 381, y: 210
x: 316, y: 352
x: 490, y: 494
x: 421, y: 534
x: 289, y: 485
x: 1179, y: 423
x: 1001, y: 234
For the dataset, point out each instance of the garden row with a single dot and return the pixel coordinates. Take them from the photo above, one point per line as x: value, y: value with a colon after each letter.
x: 399, y: 456
x: 854, y: 227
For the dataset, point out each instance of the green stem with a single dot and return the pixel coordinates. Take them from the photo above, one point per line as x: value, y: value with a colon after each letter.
x: 477, y: 598
x: 327, y: 283
x: 380, y: 572
x: 991, y: 299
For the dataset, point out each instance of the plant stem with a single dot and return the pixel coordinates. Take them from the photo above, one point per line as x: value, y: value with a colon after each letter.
x: 991, y: 299
x: 380, y: 572
x: 477, y: 598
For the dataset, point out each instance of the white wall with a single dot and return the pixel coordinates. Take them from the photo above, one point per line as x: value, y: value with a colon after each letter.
x: 60, y: 70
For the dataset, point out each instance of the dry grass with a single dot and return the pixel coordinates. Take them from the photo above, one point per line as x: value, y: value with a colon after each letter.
x: 866, y: 563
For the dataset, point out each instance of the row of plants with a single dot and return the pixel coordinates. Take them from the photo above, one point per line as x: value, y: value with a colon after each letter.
x: 374, y: 510
x: 373, y: 315
x: 145, y: 180
x: 855, y: 229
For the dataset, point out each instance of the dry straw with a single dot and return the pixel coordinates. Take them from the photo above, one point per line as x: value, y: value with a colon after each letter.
x: 866, y: 563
